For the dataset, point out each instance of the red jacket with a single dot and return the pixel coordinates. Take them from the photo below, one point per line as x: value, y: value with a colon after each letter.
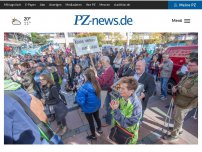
x: 106, y: 79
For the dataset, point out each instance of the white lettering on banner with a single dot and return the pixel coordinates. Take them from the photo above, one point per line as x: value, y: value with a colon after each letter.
x: 86, y: 45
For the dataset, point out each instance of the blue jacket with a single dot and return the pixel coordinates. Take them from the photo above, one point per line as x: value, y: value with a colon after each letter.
x: 87, y: 98
x: 18, y: 126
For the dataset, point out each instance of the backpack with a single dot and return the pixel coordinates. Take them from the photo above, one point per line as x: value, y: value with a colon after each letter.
x: 61, y: 96
x: 60, y: 79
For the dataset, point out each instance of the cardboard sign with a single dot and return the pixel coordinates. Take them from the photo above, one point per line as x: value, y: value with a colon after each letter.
x: 86, y: 45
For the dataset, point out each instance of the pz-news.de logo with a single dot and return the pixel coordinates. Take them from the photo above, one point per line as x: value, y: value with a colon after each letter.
x: 25, y: 21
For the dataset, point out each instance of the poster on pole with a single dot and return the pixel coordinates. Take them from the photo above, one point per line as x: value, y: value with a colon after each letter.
x: 86, y: 45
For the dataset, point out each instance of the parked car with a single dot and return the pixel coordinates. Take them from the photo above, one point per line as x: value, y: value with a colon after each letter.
x: 177, y: 55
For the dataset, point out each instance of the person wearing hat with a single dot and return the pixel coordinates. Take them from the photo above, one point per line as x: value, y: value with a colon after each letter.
x: 40, y: 69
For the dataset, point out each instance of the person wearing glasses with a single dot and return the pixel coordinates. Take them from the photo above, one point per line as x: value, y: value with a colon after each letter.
x: 127, y: 109
x: 186, y: 98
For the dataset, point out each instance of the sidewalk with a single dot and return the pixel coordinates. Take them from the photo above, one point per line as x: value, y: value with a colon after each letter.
x: 150, y: 131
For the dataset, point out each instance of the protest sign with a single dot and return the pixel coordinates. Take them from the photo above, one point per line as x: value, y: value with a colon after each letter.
x: 86, y: 45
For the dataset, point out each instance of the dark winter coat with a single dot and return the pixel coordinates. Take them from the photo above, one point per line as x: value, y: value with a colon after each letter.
x: 149, y: 86
x: 51, y: 97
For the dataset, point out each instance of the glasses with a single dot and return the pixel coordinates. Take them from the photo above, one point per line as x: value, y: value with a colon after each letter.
x: 42, y: 79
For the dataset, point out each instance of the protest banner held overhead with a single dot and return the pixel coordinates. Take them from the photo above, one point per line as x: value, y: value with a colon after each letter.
x: 86, y: 45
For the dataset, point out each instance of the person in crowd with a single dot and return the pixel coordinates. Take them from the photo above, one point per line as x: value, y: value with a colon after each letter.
x: 111, y: 56
x: 50, y: 62
x: 134, y: 54
x: 55, y: 77
x: 8, y: 72
x: 88, y: 97
x: 42, y: 59
x: 147, y: 60
x: 84, y: 62
x: 19, y: 128
x: 59, y: 65
x: 138, y: 58
x: 78, y: 79
x: 124, y: 55
x: 54, y: 106
x: 106, y: 80
x: 117, y: 62
x: 128, y: 67
x: 166, y: 68
x: 69, y: 73
x: 120, y: 70
x: 184, y: 69
x: 99, y: 68
x: 40, y: 69
x: 186, y: 98
x: 32, y: 64
x: 147, y: 80
x: 17, y: 69
x: 27, y: 78
x: 154, y: 67
x: 127, y: 109
x: 32, y: 67
x: 160, y: 55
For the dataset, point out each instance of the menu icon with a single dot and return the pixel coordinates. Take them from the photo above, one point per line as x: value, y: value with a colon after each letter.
x: 187, y: 20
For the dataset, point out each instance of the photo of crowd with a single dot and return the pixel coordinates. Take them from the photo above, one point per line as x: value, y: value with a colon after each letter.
x: 100, y: 88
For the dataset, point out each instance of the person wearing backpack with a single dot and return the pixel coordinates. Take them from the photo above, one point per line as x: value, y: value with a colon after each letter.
x: 55, y: 77
x: 23, y: 117
x: 54, y: 106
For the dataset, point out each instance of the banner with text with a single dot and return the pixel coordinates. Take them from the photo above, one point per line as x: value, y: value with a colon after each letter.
x: 86, y: 45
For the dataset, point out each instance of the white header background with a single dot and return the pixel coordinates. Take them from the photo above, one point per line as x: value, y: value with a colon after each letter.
x: 62, y: 21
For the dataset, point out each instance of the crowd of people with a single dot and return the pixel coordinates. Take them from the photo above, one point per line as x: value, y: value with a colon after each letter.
x: 44, y: 76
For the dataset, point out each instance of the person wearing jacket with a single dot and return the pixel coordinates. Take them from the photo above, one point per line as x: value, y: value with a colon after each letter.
x: 55, y: 77
x: 186, y: 98
x: 127, y: 109
x: 106, y: 80
x: 147, y: 80
x: 128, y: 67
x: 117, y: 62
x: 53, y: 104
x: 78, y: 79
x: 18, y: 126
x: 27, y: 79
x: 88, y: 97
x: 69, y: 73
x: 99, y: 68
x: 166, y: 68
x: 40, y: 69
x: 184, y: 69
x: 154, y: 67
